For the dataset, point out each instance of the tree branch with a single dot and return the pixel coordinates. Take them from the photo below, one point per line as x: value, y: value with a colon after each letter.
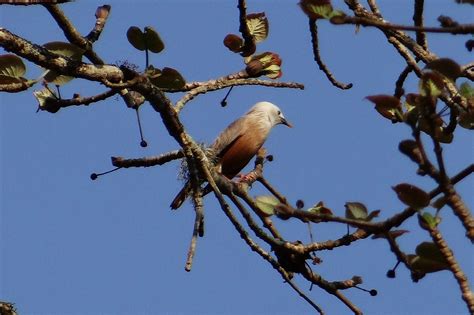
x: 462, y: 29
x: 313, y: 28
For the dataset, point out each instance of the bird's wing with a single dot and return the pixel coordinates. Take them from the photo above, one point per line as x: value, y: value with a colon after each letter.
x: 229, y: 136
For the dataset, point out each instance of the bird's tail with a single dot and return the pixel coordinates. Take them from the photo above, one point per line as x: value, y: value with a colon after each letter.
x: 180, y: 197
x: 184, y: 193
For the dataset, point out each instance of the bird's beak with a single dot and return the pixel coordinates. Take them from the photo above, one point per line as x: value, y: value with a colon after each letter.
x: 286, y: 122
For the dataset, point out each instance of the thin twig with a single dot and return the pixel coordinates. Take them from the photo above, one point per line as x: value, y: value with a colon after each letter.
x: 346, y: 240
x: 83, y: 101
x: 249, y: 43
x: 418, y: 22
x: 405, y: 53
x: 399, y: 90
x: 147, y: 161
x: 374, y: 7
x: 198, y: 221
x: 461, y: 29
x: 214, y: 85
x: 334, y: 287
x: 313, y: 28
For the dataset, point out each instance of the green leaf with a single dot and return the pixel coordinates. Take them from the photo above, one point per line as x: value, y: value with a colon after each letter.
x: 428, y: 259
x: 153, y: 40
x: 64, y: 49
x: 356, y: 211
x: 47, y: 100
x: 136, y: 37
x: 267, y: 204
x: 317, y: 9
x: 447, y: 67
x: 412, y: 108
x: 466, y: 90
x: 431, y: 84
x: 427, y: 221
x: 257, y: 24
x: 12, y: 66
x: 168, y: 78
x: 412, y: 196
x: 388, y: 106
x: 320, y: 209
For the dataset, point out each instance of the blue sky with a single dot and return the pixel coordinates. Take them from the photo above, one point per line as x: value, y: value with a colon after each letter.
x: 73, y: 246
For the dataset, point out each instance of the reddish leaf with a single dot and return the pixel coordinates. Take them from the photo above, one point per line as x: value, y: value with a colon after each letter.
x: 233, y: 42
x: 388, y: 106
x: 447, y: 67
x: 410, y: 148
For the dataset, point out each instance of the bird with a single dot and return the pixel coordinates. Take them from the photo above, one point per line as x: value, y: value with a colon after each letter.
x: 239, y: 143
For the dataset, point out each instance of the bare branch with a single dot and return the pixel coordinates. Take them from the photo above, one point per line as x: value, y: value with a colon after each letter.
x: 83, y: 101
x: 418, y: 22
x: 231, y: 80
x: 17, y: 86
x: 118, y: 161
x: 313, y: 28
x: 462, y: 29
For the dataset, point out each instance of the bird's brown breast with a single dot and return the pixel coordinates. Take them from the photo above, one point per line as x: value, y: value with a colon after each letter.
x: 241, y: 151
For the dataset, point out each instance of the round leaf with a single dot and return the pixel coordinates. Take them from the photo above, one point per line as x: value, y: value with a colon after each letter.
x: 12, y: 66
x: 257, y: 24
x: 64, y: 49
x: 429, y: 258
x: 387, y: 105
x: 136, y: 37
x: 233, y: 42
x: 267, y: 204
x: 447, y: 67
x: 169, y: 79
x: 153, y: 41
x: 356, y: 211
x: 412, y: 196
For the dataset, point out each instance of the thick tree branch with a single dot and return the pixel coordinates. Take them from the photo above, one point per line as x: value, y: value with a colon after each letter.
x: 454, y: 267
x: 63, y: 65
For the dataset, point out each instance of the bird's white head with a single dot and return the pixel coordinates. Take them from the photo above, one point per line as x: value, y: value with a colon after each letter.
x: 269, y: 111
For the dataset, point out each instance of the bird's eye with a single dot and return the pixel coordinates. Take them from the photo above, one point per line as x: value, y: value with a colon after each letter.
x: 279, y: 112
